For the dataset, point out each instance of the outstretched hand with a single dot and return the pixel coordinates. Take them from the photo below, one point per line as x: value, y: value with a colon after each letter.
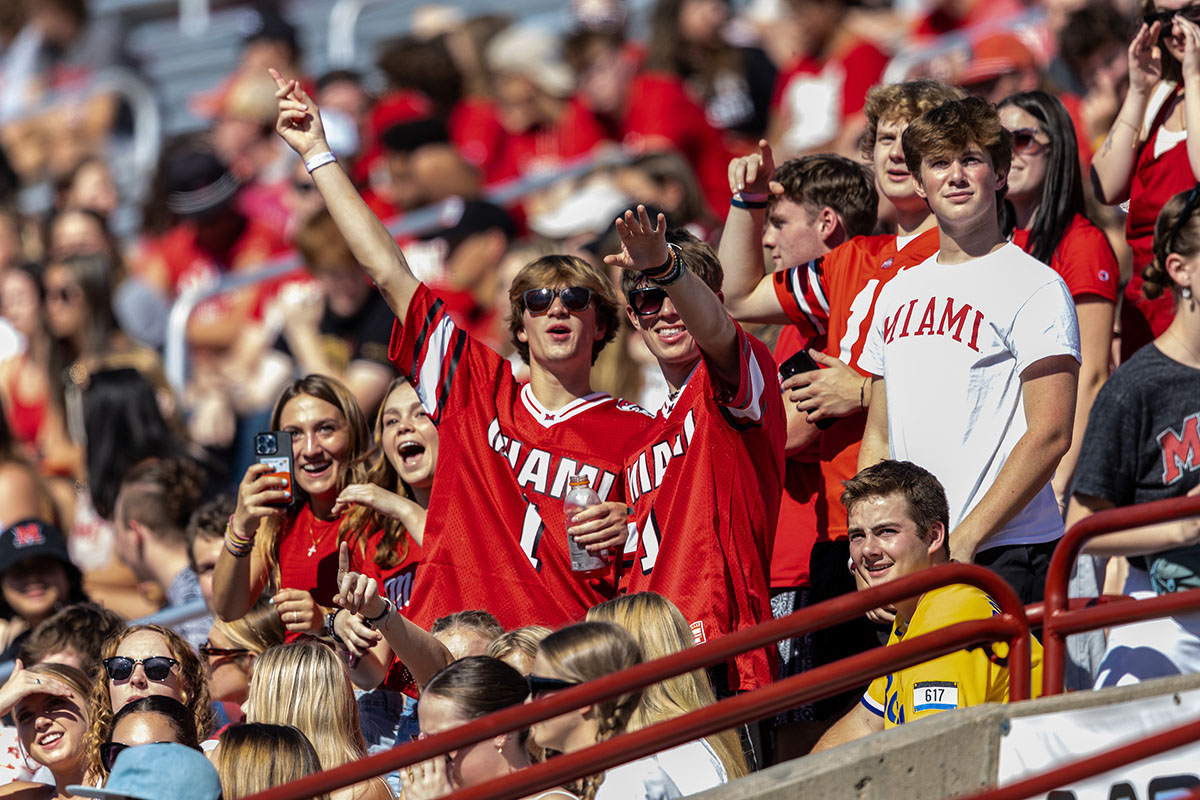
x: 298, y: 120
x: 357, y: 593
x: 643, y: 246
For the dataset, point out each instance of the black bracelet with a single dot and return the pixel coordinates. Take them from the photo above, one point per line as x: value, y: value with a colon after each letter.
x: 672, y: 275
x: 663, y: 269
x: 387, y: 607
x: 329, y: 628
x: 748, y: 205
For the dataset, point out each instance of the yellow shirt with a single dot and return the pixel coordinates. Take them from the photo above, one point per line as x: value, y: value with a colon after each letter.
x: 956, y: 680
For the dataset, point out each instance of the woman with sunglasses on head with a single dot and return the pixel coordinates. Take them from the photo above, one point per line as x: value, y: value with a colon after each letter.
x: 1148, y: 156
x: 466, y: 690
x: 287, y: 537
x: 589, y: 650
x: 1048, y: 221
x: 1140, y: 447
x: 149, y: 720
x: 49, y: 705
x: 141, y: 661
x: 305, y: 684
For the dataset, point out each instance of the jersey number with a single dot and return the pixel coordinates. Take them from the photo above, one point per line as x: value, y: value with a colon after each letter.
x: 650, y: 539
x: 532, y: 529
x: 859, y: 310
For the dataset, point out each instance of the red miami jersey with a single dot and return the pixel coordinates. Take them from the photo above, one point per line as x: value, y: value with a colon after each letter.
x: 705, y: 490
x: 495, y: 533
x: 834, y: 296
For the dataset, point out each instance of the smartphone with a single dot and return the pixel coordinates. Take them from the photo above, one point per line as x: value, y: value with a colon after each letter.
x: 274, y: 448
x: 801, y: 361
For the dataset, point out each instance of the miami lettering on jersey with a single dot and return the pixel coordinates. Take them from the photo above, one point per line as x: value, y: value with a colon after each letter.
x: 646, y: 472
x: 938, y: 318
x: 543, y: 472
x: 398, y: 588
x: 1180, y: 449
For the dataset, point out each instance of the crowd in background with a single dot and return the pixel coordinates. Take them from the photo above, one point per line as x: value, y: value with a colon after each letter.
x: 378, y: 581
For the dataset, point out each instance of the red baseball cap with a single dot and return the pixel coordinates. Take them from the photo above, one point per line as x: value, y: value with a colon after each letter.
x: 995, y: 55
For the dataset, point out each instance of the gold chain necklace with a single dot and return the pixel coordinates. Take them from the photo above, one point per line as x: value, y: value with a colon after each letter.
x: 312, y: 550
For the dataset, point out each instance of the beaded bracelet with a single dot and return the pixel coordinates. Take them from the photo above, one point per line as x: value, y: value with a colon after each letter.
x: 674, y: 273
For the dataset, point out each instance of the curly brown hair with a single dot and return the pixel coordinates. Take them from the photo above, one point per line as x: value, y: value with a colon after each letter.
x: 192, y: 679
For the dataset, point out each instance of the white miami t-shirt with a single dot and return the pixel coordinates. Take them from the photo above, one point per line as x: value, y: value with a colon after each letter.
x: 951, y: 342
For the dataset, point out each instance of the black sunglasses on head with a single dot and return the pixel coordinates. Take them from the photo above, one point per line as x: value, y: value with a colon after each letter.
x: 647, y: 301
x: 575, y: 299
x: 157, y: 668
x: 1165, y: 18
x: 539, y: 685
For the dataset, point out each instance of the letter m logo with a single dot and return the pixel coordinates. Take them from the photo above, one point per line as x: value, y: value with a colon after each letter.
x: 27, y: 535
x: 1180, y: 449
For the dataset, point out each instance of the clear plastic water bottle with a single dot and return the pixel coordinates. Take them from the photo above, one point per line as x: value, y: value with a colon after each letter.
x: 580, y: 495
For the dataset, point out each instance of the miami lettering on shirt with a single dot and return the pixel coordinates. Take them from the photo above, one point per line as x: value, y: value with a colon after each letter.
x: 935, y: 316
x: 1180, y: 449
x: 543, y: 472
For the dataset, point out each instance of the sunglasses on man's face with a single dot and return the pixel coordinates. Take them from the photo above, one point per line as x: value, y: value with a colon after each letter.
x: 157, y: 668
x: 647, y: 301
x: 539, y: 685
x: 1165, y: 18
x: 575, y: 299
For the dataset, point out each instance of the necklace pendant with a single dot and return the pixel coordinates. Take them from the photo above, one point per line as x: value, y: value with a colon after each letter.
x: 312, y: 550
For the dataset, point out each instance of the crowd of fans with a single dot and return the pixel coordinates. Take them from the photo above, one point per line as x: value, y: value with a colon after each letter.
x: 851, y: 289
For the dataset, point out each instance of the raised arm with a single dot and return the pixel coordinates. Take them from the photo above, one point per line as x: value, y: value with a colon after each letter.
x: 1048, y: 388
x: 1191, y: 89
x: 299, y: 124
x: 644, y: 247
x: 1114, y: 162
x: 749, y: 293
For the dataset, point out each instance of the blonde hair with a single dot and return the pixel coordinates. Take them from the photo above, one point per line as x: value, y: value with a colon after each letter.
x: 661, y: 630
x: 260, y: 629
x: 258, y: 756
x: 589, y: 650
x: 305, y: 684
x: 521, y: 640
x: 192, y: 681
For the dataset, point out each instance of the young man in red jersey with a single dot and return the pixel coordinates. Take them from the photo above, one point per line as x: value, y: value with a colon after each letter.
x: 706, y: 479
x: 496, y: 535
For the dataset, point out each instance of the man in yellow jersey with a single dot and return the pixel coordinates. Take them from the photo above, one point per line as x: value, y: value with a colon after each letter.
x: 898, y: 516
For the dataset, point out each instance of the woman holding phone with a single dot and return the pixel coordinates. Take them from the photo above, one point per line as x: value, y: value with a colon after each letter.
x: 287, y: 536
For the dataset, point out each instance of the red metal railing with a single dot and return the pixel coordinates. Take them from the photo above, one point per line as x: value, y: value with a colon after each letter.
x: 1010, y: 625
x: 1059, y: 622
x: 1129, y: 753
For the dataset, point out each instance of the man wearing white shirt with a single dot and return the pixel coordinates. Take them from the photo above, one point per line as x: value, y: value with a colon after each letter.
x: 975, y: 353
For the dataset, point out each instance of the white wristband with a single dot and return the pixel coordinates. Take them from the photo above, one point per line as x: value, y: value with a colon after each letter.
x: 319, y: 160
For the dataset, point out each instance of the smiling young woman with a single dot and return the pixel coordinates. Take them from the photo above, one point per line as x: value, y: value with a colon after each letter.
x: 49, y: 705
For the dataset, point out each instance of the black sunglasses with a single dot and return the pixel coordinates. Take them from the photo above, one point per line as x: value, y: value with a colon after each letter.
x: 1025, y: 139
x: 575, y: 299
x: 1165, y: 18
x: 157, y: 668
x: 538, y: 685
x: 647, y: 301
x: 208, y: 651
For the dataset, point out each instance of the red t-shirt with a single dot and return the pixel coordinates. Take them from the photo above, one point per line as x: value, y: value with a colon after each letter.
x: 1083, y: 258
x: 659, y: 112
x: 705, y: 487
x: 1156, y: 179
x: 308, y: 558
x: 797, y: 528
x: 835, y: 296
x: 495, y: 535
